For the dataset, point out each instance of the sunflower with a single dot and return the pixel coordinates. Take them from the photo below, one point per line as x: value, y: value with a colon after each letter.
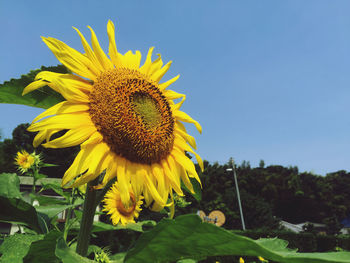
x: 24, y: 161
x: 125, y: 121
x: 120, y: 212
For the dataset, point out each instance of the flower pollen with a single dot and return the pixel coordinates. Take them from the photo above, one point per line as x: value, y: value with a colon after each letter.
x: 133, y: 115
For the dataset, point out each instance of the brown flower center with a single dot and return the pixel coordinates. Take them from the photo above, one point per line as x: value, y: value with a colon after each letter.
x: 127, y: 211
x: 133, y: 115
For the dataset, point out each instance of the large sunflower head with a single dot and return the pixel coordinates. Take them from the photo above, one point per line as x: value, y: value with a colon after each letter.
x: 124, y: 119
x: 24, y: 161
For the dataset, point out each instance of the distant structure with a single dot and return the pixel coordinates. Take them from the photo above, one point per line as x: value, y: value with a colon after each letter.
x: 215, y: 217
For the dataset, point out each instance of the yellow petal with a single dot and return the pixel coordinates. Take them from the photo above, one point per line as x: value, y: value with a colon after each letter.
x: 72, y: 137
x: 146, y: 66
x: 166, y: 84
x: 94, y: 139
x: 89, y: 53
x: 49, y: 134
x: 94, y: 161
x: 123, y: 180
x: 63, y: 107
x: 42, y: 135
x: 174, y: 179
x: 177, y: 106
x: 33, y: 86
x: 112, y: 49
x: 62, y: 121
x: 71, y: 87
x: 182, y: 159
x: 157, y: 75
x: 158, y: 174
x: 101, y: 56
x: 152, y: 190
x: 181, y: 130
x: 174, y: 166
x: 156, y: 65
x: 167, y: 189
x: 72, y: 59
x: 182, y: 116
x: 69, y: 81
x: 181, y: 144
x: 131, y: 60
x: 172, y: 95
x: 78, y: 166
x: 136, y: 174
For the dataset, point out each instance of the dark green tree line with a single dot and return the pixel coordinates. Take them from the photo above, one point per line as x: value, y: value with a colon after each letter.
x: 267, y: 193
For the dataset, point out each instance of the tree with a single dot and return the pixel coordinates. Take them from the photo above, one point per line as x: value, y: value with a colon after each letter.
x: 261, y: 164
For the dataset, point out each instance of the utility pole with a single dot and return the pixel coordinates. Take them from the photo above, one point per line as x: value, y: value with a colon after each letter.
x: 237, y: 190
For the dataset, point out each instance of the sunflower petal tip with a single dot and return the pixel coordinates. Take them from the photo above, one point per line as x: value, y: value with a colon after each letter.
x: 110, y: 23
x: 24, y: 92
x: 199, y: 128
x: 45, y: 39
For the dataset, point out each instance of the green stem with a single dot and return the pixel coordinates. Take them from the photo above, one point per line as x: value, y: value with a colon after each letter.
x: 102, y: 193
x: 69, y: 215
x: 34, y: 182
x: 87, y: 219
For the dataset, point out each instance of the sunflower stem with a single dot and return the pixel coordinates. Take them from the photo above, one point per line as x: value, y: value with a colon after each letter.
x: 87, y: 219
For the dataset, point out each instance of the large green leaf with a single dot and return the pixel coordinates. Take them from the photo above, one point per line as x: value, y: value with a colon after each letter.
x: 43, y: 250
x: 9, y: 185
x: 15, y: 247
x: 14, y: 210
x: 188, y: 237
x: 53, y: 210
x: 11, y: 91
x: 67, y: 254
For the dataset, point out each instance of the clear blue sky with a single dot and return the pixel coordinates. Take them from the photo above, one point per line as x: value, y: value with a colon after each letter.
x: 266, y: 79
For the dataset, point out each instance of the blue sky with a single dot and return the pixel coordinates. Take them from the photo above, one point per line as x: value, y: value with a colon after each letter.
x: 266, y: 79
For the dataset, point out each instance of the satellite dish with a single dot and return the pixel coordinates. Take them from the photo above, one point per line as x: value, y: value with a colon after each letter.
x: 217, y: 217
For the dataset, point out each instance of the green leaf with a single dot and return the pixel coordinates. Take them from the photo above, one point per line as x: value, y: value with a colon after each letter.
x: 68, y: 255
x: 100, y: 226
x: 57, y: 188
x: 14, y: 210
x: 53, y: 210
x: 48, y: 165
x: 196, y: 188
x: 187, y: 237
x: 47, y: 200
x: 39, y: 176
x: 187, y: 261
x: 9, y: 185
x: 118, y: 258
x: 11, y: 91
x: 43, y: 249
x: 15, y: 247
